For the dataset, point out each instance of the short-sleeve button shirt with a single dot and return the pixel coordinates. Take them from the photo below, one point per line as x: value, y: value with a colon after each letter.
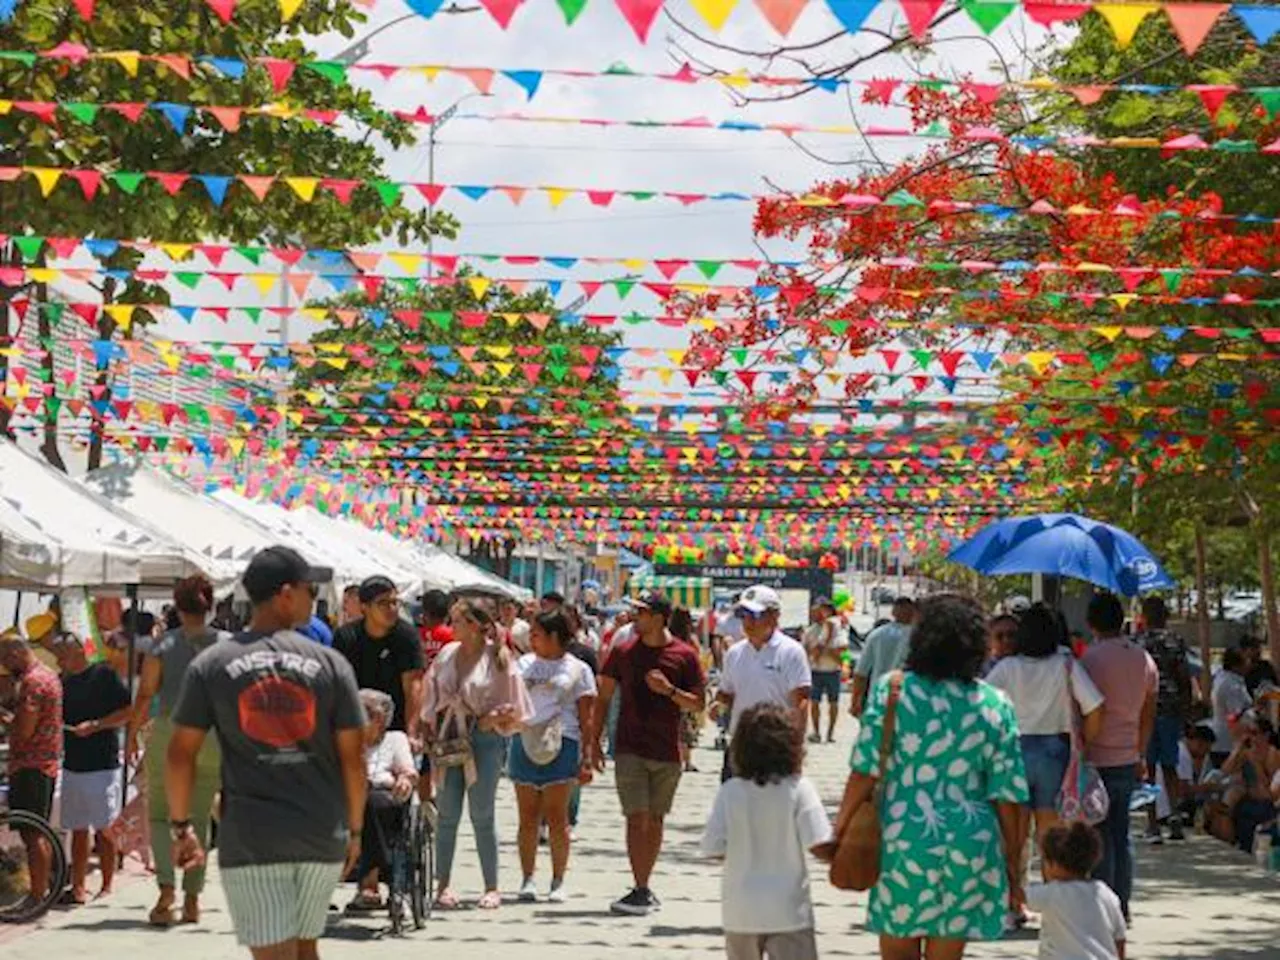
x: 767, y: 675
x: 41, y: 691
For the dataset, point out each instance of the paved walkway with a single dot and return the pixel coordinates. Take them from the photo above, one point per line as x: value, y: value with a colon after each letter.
x: 1194, y: 900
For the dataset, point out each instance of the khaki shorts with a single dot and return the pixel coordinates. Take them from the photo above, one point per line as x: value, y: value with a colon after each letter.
x: 792, y: 945
x: 645, y: 785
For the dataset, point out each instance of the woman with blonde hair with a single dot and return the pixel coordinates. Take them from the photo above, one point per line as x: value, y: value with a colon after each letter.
x: 474, y: 700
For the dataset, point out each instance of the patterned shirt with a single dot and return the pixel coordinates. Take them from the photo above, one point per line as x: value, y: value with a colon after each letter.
x: 1169, y: 651
x: 40, y: 690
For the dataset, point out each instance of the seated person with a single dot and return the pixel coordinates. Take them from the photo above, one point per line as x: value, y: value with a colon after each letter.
x: 1201, y: 781
x: 392, y: 778
x: 1256, y: 761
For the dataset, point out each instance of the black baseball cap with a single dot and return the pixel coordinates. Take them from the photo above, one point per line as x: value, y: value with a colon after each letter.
x: 654, y: 601
x: 374, y: 587
x: 272, y: 569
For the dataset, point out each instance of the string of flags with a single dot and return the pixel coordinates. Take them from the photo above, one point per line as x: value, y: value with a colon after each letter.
x: 1190, y: 21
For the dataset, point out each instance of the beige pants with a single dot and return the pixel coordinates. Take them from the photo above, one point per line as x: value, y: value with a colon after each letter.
x: 792, y: 945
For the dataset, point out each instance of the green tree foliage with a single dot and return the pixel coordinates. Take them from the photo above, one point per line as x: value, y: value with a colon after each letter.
x: 108, y: 142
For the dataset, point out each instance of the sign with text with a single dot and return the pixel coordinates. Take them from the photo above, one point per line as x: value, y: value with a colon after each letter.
x: 817, y: 582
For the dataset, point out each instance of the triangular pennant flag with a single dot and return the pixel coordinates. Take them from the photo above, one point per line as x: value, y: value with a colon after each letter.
x: 1213, y: 96
x: 225, y: 9
x: 280, y: 71
x: 502, y: 10
x: 852, y: 14
x: 288, y: 8
x: 713, y: 12
x: 1262, y: 22
x: 85, y: 9
x: 529, y: 80
x: 640, y: 14
x: 47, y: 178
x: 571, y: 9
x: 920, y: 14
x: 782, y: 14
x: 1193, y: 21
x: 425, y: 8
x: 987, y: 14
x: 1048, y: 12
x: 1125, y: 18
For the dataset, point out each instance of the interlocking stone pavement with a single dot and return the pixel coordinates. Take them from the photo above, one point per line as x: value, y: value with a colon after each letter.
x: 1197, y: 900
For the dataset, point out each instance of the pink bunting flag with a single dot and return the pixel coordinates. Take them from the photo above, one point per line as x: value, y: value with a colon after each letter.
x: 85, y: 9
x: 920, y: 14
x: 229, y: 117
x: 481, y: 78
x: 172, y: 182
x: 640, y: 14
x: 1046, y: 12
x: 431, y: 192
x: 280, y: 71
x: 342, y: 189
x: 781, y: 14
x: 502, y: 10
x: 1088, y: 95
x: 225, y: 9
x: 1193, y: 21
x: 258, y: 186
x: 881, y: 91
x: 178, y: 64
x: 130, y: 111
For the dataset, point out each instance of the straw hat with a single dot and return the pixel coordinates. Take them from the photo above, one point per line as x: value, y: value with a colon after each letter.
x: 40, y: 627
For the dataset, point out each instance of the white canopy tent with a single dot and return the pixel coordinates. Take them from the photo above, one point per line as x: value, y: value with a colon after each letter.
x: 467, y: 576
x: 56, y: 534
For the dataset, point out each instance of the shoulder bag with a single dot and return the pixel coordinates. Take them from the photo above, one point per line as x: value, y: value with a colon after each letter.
x: 451, y: 745
x: 856, y: 864
x: 542, y: 741
x: 1083, y: 797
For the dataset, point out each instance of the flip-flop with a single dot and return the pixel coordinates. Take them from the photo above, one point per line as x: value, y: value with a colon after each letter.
x: 365, y: 903
x: 490, y: 900
x: 447, y: 900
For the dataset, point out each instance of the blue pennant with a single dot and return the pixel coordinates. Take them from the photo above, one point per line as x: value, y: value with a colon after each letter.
x: 216, y: 187
x: 529, y: 80
x: 175, y: 113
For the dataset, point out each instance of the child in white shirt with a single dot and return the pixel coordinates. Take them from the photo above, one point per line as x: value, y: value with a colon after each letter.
x: 764, y: 819
x: 1080, y: 918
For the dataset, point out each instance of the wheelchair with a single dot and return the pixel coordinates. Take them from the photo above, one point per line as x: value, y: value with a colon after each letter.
x: 410, y: 878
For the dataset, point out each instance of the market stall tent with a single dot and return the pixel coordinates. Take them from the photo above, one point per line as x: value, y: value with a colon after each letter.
x: 56, y: 534
x: 692, y: 593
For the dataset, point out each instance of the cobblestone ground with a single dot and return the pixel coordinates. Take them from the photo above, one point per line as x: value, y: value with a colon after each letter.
x: 1194, y: 900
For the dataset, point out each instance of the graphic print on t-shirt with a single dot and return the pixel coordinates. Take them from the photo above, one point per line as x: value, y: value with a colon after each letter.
x: 277, y: 712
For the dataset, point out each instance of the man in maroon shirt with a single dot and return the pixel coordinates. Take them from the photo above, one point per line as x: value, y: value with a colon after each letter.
x: 657, y: 677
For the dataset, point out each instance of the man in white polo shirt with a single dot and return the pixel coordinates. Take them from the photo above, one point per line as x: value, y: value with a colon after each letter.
x: 766, y: 667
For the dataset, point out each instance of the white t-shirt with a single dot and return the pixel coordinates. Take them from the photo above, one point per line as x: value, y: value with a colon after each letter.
x: 1079, y: 919
x: 767, y: 675
x: 392, y: 755
x: 1230, y: 697
x: 1038, y: 688
x: 764, y: 834
x: 557, y: 685
x: 520, y: 635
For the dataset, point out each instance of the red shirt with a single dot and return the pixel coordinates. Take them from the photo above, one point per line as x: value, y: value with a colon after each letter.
x: 649, y: 724
x: 434, y: 639
x: 39, y: 690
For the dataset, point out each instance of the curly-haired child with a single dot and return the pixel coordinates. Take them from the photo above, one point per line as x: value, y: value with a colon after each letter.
x: 764, y: 819
x: 1081, y: 918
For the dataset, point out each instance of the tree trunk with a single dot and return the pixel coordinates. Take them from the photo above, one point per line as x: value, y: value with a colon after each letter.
x: 49, y: 446
x: 1202, y: 617
x: 5, y: 412
x: 1266, y: 573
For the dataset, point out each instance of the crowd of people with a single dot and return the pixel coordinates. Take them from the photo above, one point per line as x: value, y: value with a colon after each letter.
x: 984, y: 744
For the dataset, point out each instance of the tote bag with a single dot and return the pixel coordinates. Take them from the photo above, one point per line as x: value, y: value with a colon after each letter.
x: 1083, y: 797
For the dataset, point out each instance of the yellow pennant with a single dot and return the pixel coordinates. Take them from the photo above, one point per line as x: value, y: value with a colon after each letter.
x: 5, y: 107
x: 504, y: 370
x: 304, y: 187
x: 288, y: 8
x: 1125, y: 18
x: 1039, y: 360
x: 556, y: 195
x: 128, y: 59
x: 408, y: 262
x: 176, y: 251
x: 43, y: 274
x: 265, y: 282
x: 47, y: 178
x: 121, y: 314
x: 1110, y: 333
x: 1122, y: 300
x: 479, y: 286
x: 499, y: 351
x: 235, y: 445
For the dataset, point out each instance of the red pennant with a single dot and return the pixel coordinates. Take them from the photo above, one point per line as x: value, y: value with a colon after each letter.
x: 342, y: 189
x: 431, y: 192
x: 1046, y: 12
x: 172, y: 182
x: 225, y: 9
x: 45, y: 112
x: 1193, y: 21
x: 502, y: 10
x: 1213, y: 96
x: 881, y: 91
x: 85, y: 9
x: 89, y: 180
x: 281, y: 71
x: 130, y: 111
x: 640, y: 14
x: 920, y: 14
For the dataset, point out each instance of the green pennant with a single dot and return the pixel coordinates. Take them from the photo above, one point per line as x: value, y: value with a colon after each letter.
x: 388, y: 192
x: 29, y: 246
x: 441, y: 318
x: 253, y: 313
x: 1239, y: 333
x: 739, y: 355
x: 623, y: 287
x: 252, y: 254
x: 987, y: 14
x: 126, y: 181
x: 923, y: 358
x: 44, y: 374
x: 196, y: 413
x: 1055, y: 299
x: 903, y: 198
x: 571, y: 9
x: 641, y: 194
x: 332, y: 70
x: 425, y: 401
x: 227, y: 360
x: 84, y: 112
x: 408, y: 284
x: 1173, y: 278
x: 188, y: 280
x: 162, y: 443
x: 721, y: 377
x: 385, y: 348
x: 51, y: 407
x: 556, y: 351
x: 1100, y: 361
x: 54, y: 312
x: 839, y: 327
x: 634, y: 318
x: 1235, y: 146
x: 337, y: 419
x: 1269, y: 98
x: 619, y: 69
x: 21, y: 56
x: 935, y: 129
x: 708, y: 268
x: 932, y: 84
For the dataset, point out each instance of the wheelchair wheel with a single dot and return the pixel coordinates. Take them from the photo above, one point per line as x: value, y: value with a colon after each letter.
x: 16, y: 903
x: 422, y: 872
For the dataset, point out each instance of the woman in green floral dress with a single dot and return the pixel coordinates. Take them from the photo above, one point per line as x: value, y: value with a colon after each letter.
x: 952, y: 785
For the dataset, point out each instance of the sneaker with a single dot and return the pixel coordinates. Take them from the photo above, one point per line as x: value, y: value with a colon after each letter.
x: 1154, y: 836
x: 528, y: 891
x: 556, y: 894
x: 638, y: 903
x: 1175, y: 829
x: 831, y: 738
x: 815, y: 738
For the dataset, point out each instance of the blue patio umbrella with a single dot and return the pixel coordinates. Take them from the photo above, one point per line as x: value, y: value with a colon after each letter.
x: 1065, y: 545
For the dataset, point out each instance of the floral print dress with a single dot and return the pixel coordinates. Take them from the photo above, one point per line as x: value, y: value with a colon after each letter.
x: 955, y: 753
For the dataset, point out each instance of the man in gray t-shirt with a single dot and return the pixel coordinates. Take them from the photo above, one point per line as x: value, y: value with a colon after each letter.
x: 288, y: 717
x: 885, y: 651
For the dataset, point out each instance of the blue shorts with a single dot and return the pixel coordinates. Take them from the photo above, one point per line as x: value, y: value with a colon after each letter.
x: 1046, y: 757
x: 1162, y: 748
x: 563, y: 769
x: 825, y: 683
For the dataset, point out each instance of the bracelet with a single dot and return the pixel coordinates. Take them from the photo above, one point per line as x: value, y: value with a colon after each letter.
x: 180, y: 824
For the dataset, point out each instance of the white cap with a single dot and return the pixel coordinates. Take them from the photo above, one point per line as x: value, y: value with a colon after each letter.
x: 758, y: 599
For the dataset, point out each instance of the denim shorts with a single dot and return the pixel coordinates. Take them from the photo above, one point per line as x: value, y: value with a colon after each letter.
x: 563, y: 769
x: 1162, y: 748
x: 1046, y: 757
x: 825, y: 685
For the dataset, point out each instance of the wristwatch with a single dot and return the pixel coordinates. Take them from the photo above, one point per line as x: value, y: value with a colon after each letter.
x: 179, y: 829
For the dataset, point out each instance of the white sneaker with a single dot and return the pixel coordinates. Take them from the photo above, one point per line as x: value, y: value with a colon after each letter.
x: 528, y: 891
x: 556, y: 894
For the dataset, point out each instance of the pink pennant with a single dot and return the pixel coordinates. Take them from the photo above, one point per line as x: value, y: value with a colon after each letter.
x: 600, y: 198
x: 881, y: 91
x: 178, y: 64
x: 280, y: 71
x: 1046, y: 12
x: 514, y: 194
x: 172, y: 182
x: 1087, y: 96
x: 342, y: 189
x: 63, y: 247
x: 781, y: 14
x: 45, y: 112
x: 213, y: 252
x: 258, y: 186
x: 447, y: 262
x: 481, y: 78
x: 431, y: 192
x: 75, y: 52
x: 85, y: 9
x: 130, y: 111
x: 229, y: 117
x: 640, y: 14
x: 920, y: 14
x: 225, y: 9
x: 1193, y: 21
x: 502, y: 10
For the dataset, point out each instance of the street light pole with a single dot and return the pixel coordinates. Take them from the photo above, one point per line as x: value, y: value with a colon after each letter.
x: 436, y: 123
x: 360, y: 48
